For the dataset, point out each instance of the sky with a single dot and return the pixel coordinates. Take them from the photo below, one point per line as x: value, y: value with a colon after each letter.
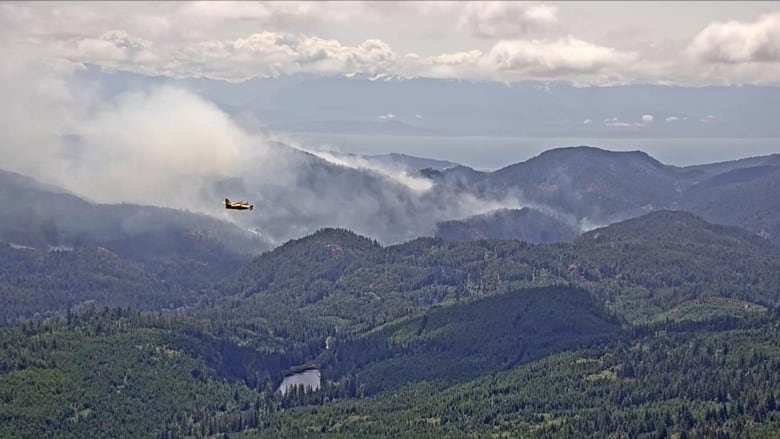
x: 177, y: 137
x: 589, y: 43
x: 161, y: 144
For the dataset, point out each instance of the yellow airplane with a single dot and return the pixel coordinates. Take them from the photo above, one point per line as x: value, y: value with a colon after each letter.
x: 238, y: 205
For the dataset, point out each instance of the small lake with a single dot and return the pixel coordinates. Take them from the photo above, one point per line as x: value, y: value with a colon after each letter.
x: 309, y: 378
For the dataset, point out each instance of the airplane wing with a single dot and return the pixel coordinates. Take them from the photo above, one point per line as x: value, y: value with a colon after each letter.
x: 237, y: 205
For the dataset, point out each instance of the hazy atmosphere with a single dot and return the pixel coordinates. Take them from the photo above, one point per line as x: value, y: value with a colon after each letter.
x: 389, y: 219
x: 166, y: 103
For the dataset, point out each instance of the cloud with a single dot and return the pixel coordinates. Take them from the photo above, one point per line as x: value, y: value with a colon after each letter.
x: 480, y: 19
x: 48, y: 22
x: 739, y: 42
x: 268, y: 54
x: 284, y: 14
x: 447, y: 65
x: 271, y: 54
x: 675, y: 118
x: 550, y: 58
x: 237, y: 41
x: 644, y: 120
x: 709, y: 118
x: 493, y: 19
x: 512, y: 60
x: 623, y: 124
x: 173, y: 24
x: 238, y: 10
x: 587, y: 121
x: 209, y: 39
x: 112, y: 48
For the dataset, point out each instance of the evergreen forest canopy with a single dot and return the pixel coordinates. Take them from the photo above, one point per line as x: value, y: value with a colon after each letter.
x: 661, y: 325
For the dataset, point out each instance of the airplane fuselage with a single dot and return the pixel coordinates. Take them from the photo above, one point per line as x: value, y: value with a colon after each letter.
x: 237, y: 205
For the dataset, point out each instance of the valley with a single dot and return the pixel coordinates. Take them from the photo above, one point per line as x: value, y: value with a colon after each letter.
x: 413, y: 312
x: 418, y: 334
x: 272, y: 219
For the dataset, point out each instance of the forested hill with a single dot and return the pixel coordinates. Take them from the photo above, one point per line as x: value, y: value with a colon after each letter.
x: 455, y: 343
x: 58, y: 250
x: 526, y: 224
x: 597, y: 186
x: 666, y: 322
x: 46, y: 283
x: 44, y: 216
x: 639, y: 268
x: 319, y: 256
x: 677, y: 225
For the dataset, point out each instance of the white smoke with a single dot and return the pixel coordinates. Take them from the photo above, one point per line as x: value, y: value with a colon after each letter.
x: 152, y: 146
x: 470, y: 205
x: 397, y: 173
x: 167, y: 146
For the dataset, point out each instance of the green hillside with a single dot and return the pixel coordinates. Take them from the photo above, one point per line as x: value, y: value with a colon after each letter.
x: 338, y: 281
x: 454, y: 343
x: 659, y: 326
x: 710, y: 381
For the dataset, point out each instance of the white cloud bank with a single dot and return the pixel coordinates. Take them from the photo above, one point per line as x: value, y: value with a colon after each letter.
x: 736, y: 42
x: 552, y: 58
x: 644, y: 120
x: 271, y: 54
x: 517, y: 41
x: 498, y: 19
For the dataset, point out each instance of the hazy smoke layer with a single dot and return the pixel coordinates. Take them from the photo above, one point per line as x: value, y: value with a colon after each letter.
x: 417, y: 184
x: 146, y: 146
x: 167, y: 146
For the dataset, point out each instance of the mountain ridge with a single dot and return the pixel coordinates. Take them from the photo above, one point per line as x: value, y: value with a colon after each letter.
x: 585, y: 186
x: 481, y: 107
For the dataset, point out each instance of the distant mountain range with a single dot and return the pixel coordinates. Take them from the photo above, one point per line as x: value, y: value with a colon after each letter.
x: 596, y: 187
x: 581, y: 187
x: 363, y: 104
x: 396, y: 197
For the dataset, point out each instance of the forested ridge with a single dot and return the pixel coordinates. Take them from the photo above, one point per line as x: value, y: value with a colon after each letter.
x: 717, y: 380
x: 660, y: 326
x: 46, y: 283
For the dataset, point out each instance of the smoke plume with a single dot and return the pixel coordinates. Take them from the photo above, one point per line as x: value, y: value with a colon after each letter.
x: 166, y: 146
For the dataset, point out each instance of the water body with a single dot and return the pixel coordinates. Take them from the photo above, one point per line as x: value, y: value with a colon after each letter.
x: 490, y: 153
x: 309, y: 378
